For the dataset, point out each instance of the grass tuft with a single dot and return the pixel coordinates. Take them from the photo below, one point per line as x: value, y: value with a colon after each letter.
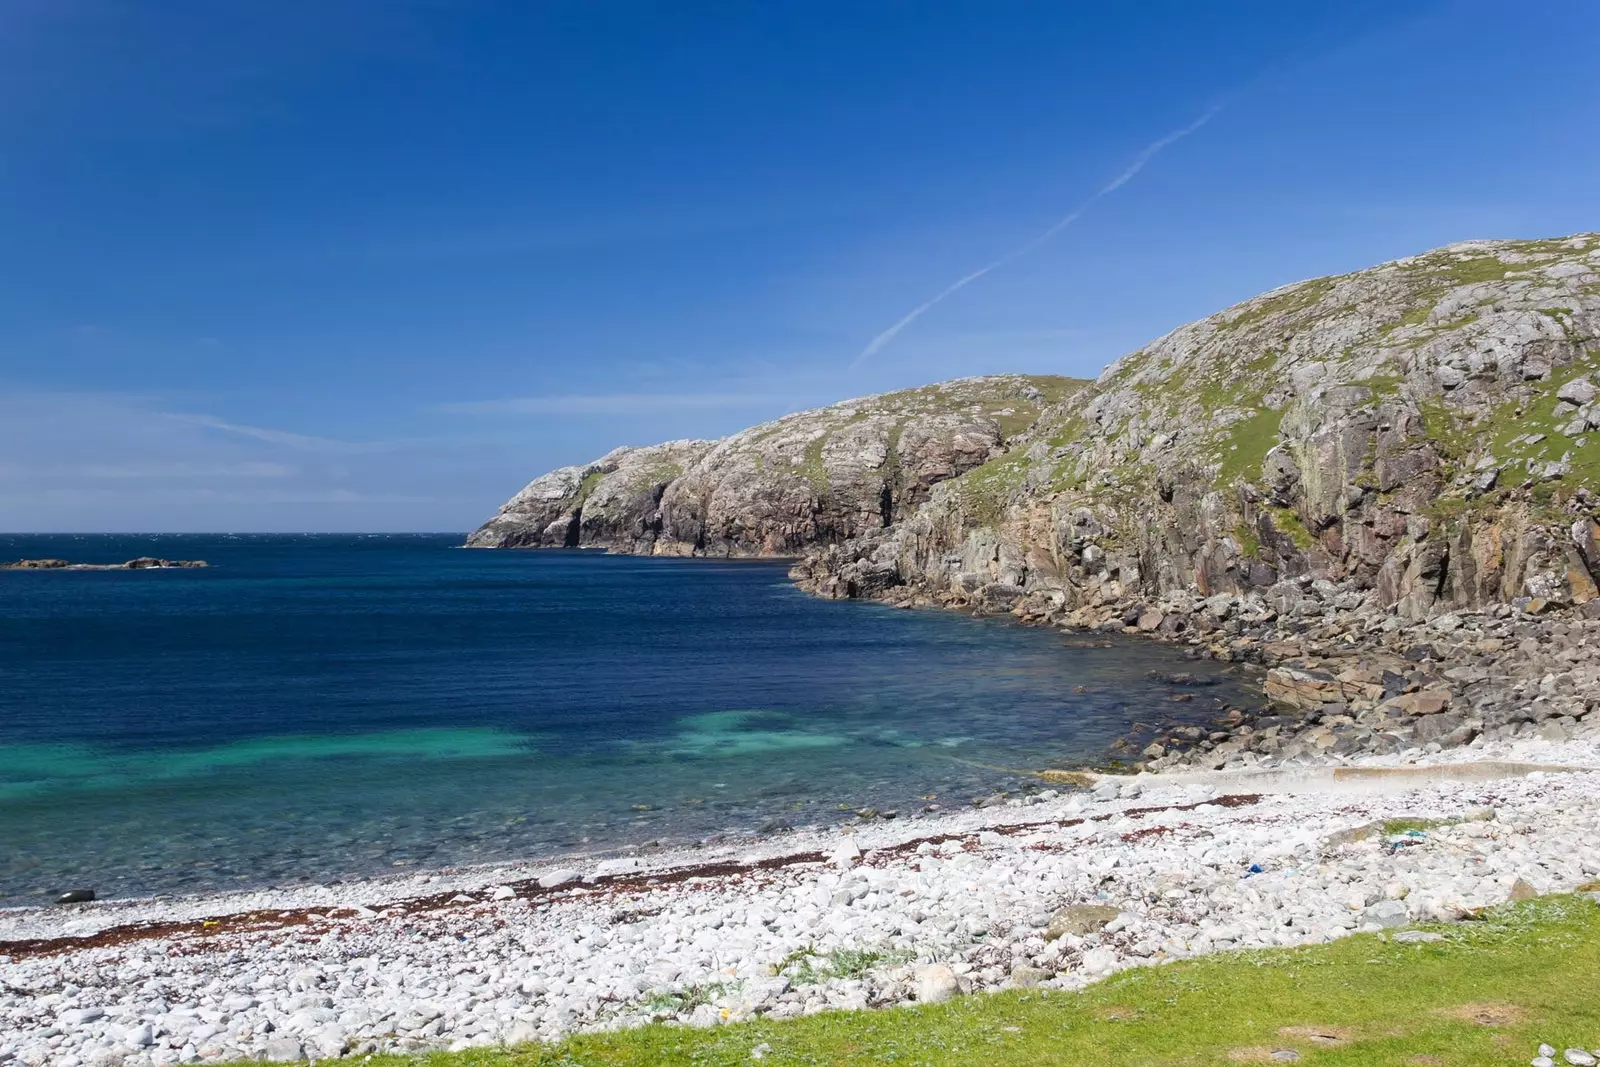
x: 686, y: 999
x: 1246, y: 445
x: 807, y: 966
x: 1393, y: 827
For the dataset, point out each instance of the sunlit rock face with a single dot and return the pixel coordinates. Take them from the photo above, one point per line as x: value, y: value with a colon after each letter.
x: 783, y: 487
x: 1423, y: 434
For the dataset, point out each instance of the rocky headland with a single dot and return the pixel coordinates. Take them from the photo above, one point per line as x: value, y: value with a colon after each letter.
x: 1417, y: 438
x: 1380, y: 488
x: 783, y: 487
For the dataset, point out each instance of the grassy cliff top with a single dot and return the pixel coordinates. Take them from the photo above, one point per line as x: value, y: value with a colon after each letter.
x: 1477, y: 339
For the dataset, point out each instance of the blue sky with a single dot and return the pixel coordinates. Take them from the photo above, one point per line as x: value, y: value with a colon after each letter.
x: 372, y: 266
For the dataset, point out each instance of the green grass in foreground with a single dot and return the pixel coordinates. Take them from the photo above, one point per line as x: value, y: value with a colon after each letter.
x: 1487, y: 994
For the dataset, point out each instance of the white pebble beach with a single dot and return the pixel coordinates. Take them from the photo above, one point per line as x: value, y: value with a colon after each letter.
x: 926, y: 908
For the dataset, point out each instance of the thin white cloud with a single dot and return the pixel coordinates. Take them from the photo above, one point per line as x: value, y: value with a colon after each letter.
x: 1138, y: 163
x: 84, y: 461
x: 298, y: 442
x: 141, y: 471
x: 614, y: 404
x: 301, y: 441
x: 104, y: 494
x: 122, y: 471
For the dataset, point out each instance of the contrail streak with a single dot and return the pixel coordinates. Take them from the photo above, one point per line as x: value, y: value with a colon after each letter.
x: 1149, y: 152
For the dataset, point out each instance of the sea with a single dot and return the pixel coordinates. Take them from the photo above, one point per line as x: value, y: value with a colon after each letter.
x: 311, y: 709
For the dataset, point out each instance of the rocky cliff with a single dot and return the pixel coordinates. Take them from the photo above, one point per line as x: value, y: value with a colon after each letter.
x: 781, y: 488
x: 1419, y: 436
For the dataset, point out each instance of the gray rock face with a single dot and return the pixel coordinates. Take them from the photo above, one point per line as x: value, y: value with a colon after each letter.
x: 613, y: 501
x: 1424, y: 434
x: 783, y: 487
x: 1421, y: 437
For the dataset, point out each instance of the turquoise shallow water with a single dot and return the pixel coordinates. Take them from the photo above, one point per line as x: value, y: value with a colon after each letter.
x: 315, y: 708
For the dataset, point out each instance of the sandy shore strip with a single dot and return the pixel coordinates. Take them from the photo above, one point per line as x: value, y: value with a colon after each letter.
x: 1054, y: 890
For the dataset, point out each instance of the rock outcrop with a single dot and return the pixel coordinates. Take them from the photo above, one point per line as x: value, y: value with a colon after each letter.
x: 1420, y: 436
x: 781, y: 488
x: 143, y: 563
x: 613, y: 502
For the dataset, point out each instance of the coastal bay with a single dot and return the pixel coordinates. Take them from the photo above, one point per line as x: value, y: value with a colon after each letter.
x: 1339, y: 636
x: 799, y: 535
x: 316, y: 709
x: 1054, y: 879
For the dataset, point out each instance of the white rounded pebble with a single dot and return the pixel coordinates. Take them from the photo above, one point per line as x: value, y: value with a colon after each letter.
x: 558, y: 877
x: 936, y: 983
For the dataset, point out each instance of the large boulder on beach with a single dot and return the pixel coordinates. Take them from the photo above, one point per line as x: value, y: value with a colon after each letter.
x: 1079, y: 920
x: 283, y: 1050
x: 559, y: 877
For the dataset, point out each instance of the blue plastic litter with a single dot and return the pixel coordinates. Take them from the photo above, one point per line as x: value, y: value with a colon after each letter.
x: 1412, y: 837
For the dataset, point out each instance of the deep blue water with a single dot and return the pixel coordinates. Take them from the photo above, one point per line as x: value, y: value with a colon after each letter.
x: 317, y: 707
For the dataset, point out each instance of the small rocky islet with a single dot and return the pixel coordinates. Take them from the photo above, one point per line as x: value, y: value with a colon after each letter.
x: 141, y: 563
x: 1377, y: 492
